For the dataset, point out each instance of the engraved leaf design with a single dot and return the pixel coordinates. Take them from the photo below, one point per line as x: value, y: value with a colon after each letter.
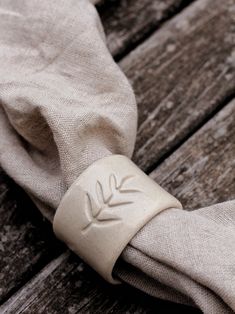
x: 100, y: 214
x: 119, y: 203
x: 126, y: 190
x: 91, y: 207
x: 105, y: 215
x: 100, y: 193
x: 112, y: 183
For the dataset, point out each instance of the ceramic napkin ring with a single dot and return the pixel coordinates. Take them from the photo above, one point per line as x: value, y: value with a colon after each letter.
x: 104, y: 209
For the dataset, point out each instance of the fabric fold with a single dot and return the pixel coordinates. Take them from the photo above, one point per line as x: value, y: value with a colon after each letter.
x: 64, y: 104
x: 192, y: 253
x: 64, y: 101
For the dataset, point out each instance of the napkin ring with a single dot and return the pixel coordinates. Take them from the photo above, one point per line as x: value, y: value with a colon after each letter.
x: 104, y: 209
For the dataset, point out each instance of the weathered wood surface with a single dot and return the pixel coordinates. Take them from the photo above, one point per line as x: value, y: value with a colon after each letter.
x: 22, y: 247
x: 68, y: 286
x: 181, y: 75
x: 202, y: 171
x: 25, y: 245
x: 128, y: 22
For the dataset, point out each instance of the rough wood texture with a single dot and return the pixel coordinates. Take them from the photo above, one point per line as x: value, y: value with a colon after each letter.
x: 181, y: 75
x: 68, y: 286
x: 127, y: 22
x: 202, y: 171
x: 22, y: 248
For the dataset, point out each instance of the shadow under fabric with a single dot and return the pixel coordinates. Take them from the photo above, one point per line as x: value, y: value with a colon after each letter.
x: 65, y: 104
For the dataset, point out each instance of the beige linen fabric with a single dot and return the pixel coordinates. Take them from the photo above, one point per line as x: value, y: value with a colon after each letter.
x: 186, y: 257
x: 64, y: 104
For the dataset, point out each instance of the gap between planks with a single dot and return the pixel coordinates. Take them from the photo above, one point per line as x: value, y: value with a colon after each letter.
x: 181, y: 75
x: 127, y: 24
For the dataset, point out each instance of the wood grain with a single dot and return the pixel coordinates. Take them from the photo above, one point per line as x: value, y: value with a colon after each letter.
x: 181, y: 75
x: 202, y: 171
x: 127, y: 23
x: 22, y: 248
x: 68, y: 286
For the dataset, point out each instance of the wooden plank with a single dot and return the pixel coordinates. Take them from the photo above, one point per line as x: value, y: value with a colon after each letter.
x: 198, y: 173
x: 167, y: 124
x: 202, y: 172
x: 127, y: 23
x: 73, y: 288
x: 181, y: 75
x: 35, y: 246
x: 22, y: 248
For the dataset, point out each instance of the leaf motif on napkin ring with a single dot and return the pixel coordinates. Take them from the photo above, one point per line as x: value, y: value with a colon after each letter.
x: 100, y: 214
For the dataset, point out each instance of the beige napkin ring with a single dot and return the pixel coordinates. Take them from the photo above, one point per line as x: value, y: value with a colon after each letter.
x: 105, y: 207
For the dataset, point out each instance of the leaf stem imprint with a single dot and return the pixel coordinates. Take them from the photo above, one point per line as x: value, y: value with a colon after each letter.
x: 101, y: 214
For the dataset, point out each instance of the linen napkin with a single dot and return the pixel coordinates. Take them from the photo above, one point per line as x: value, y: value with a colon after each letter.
x: 64, y: 104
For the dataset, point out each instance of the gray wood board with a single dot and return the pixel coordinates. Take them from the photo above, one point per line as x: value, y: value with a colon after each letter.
x: 127, y: 23
x: 182, y: 75
x: 26, y: 240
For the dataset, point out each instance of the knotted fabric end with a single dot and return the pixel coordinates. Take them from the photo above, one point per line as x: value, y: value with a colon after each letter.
x: 104, y: 209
